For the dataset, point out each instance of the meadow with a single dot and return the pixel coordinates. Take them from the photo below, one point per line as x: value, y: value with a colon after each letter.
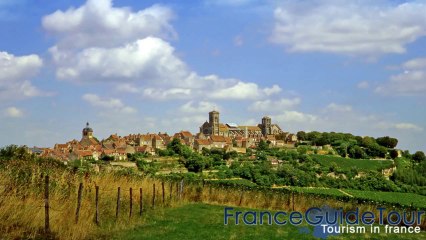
x: 347, y: 164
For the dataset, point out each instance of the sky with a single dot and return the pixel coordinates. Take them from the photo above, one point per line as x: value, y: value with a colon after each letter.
x: 148, y: 66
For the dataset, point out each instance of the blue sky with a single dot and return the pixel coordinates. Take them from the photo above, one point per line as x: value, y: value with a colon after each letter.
x: 149, y: 66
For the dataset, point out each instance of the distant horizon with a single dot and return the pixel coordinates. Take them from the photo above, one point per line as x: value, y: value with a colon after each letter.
x: 134, y: 67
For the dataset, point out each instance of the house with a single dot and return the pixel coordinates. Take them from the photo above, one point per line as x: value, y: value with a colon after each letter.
x: 117, y: 154
x: 145, y: 149
x: 219, y: 141
x: 199, y: 144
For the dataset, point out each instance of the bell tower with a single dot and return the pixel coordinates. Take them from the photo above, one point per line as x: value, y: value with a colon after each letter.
x: 214, y: 122
x: 266, y: 126
x: 87, y: 131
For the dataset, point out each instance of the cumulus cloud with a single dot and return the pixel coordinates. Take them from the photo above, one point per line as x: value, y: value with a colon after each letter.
x: 363, y: 85
x: 349, y: 27
x: 167, y: 94
x: 243, y: 90
x: 333, y: 107
x: 295, y: 116
x: 234, y: 3
x: 149, y: 60
x: 274, y: 106
x: 98, y: 42
x: 113, y: 104
x: 98, y: 23
x: 412, y: 81
x: 198, y: 107
x: 15, y: 75
x: 13, y: 112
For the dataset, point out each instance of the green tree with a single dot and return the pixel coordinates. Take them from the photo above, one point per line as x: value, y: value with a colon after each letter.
x: 262, y: 146
x: 419, y: 156
x: 387, y: 142
x: 301, y: 135
x: 194, y: 163
x: 393, y: 153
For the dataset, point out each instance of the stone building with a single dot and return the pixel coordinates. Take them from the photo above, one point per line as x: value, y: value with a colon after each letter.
x: 214, y: 127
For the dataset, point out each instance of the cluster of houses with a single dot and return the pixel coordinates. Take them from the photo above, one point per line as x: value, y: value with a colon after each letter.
x: 230, y: 138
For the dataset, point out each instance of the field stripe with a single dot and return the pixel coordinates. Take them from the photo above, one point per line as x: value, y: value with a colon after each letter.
x: 345, y: 193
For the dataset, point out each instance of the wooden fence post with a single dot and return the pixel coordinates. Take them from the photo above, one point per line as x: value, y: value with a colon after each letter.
x: 181, y: 190
x: 117, y: 209
x: 46, y: 206
x: 241, y: 198
x: 171, y: 190
x: 153, y: 195
x: 97, y: 206
x: 131, y: 203
x: 140, y: 202
x: 80, y: 192
x: 162, y: 187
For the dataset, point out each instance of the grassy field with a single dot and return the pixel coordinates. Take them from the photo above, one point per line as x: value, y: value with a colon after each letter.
x: 202, y: 221
x: 318, y: 191
x: 348, y: 163
x: 403, y: 199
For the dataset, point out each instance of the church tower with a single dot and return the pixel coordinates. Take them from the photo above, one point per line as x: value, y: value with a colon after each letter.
x: 214, y: 122
x: 87, y: 132
x: 266, y: 126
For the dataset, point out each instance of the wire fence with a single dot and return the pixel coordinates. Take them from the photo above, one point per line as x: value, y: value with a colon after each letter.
x: 134, y: 198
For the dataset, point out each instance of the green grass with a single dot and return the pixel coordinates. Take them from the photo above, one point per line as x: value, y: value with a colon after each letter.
x: 203, y: 221
x: 319, y: 191
x: 402, y: 199
x: 347, y: 163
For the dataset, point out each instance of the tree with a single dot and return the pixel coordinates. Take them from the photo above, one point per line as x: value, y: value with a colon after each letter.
x: 419, y: 156
x: 356, y: 152
x: 393, y: 153
x: 262, y: 145
x: 387, y: 142
x: 195, y: 163
x: 301, y: 135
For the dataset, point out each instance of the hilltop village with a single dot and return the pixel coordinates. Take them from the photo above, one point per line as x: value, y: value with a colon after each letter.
x: 213, y: 134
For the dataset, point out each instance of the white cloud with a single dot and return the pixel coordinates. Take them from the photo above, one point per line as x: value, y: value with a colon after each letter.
x: 149, y: 60
x: 167, y: 94
x: 417, y: 63
x: 135, y: 62
x: 113, y: 104
x: 98, y: 24
x: 243, y: 91
x: 272, y: 90
x: 198, y: 107
x: 294, y: 116
x: 333, y: 107
x: 15, y: 73
x: 363, y: 85
x: 13, y: 112
x: 274, y: 106
x: 234, y: 3
x: 412, y: 81
x: 349, y: 27
x: 399, y: 126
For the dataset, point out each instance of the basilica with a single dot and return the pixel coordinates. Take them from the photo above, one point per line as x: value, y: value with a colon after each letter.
x: 214, y: 127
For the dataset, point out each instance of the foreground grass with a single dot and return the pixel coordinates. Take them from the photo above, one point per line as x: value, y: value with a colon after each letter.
x: 203, y: 221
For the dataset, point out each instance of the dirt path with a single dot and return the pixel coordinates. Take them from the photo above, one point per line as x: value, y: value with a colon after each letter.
x: 345, y: 193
